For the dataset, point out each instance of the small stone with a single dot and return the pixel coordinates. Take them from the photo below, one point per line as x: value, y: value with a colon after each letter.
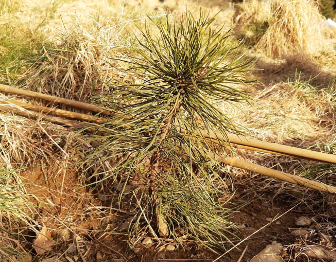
x: 303, y: 221
x: 65, y: 234
x: 147, y: 241
x: 278, y: 223
x: 170, y: 248
x: 99, y: 255
x: 320, y: 253
x: 272, y: 253
x: 300, y: 232
x: 241, y: 226
x: 269, y: 219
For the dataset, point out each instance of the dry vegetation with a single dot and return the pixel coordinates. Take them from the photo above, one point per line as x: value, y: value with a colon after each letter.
x: 68, y: 49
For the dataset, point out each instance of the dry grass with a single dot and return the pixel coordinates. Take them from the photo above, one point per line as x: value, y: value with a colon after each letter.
x: 296, y: 28
x: 81, y: 37
x: 252, y: 12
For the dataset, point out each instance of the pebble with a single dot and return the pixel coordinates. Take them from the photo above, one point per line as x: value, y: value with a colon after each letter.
x: 241, y: 226
x: 269, y: 219
x: 300, y: 232
x: 278, y: 223
x: 319, y: 252
x: 147, y: 241
x: 272, y: 253
x: 99, y: 255
x: 170, y: 248
x: 303, y: 221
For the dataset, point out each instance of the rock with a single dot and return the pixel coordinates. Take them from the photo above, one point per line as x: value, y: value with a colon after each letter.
x: 278, y: 223
x: 269, y: 219
x: 272, y: 253
x: 303, y: 221
x: 300, y: 232
x: 320, y: 253
x: 147, y: 241
x: 241, y: 226
x: 99, y: 255
x: 170, y: 248
x: 65, y: 234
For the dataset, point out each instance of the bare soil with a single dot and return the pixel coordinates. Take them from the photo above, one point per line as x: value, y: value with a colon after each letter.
x: 86, y: 227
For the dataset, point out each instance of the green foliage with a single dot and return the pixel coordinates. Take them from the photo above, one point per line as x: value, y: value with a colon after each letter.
x: 184, y: 67
x: 327, y: 8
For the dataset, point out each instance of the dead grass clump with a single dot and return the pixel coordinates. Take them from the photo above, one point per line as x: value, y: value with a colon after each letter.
x: 252, y: 20
x: 26, y: 142
x: 296, y: 29
x: 252, y: 12
x: 72, y: 66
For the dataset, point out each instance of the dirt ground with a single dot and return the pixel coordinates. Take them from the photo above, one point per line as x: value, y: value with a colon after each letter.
x: 86, y: 227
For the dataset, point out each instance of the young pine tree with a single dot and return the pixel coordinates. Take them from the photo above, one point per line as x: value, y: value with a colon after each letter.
x: 184, y: 67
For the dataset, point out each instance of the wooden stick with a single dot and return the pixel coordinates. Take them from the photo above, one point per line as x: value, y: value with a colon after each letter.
x: 251, y: 143
x: 272, y: 147
x: 55, y: 111
x: 226, y: 160
x: 276, y: 174
x: 69, y: 102
x: 35, y: 115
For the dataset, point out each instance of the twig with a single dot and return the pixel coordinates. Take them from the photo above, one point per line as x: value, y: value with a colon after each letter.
x: 65, y: 153
x: 151, y: 230
x: 242, y: 255
x: 246, y: 238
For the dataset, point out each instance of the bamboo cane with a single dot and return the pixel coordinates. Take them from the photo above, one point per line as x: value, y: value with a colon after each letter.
x: 52, y: 119
x: 277, y: 174
x: 227, y: 160
x: 252, y: 144
x: 55, y: 111
x: 272, y: 147
x: 69, y: 102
